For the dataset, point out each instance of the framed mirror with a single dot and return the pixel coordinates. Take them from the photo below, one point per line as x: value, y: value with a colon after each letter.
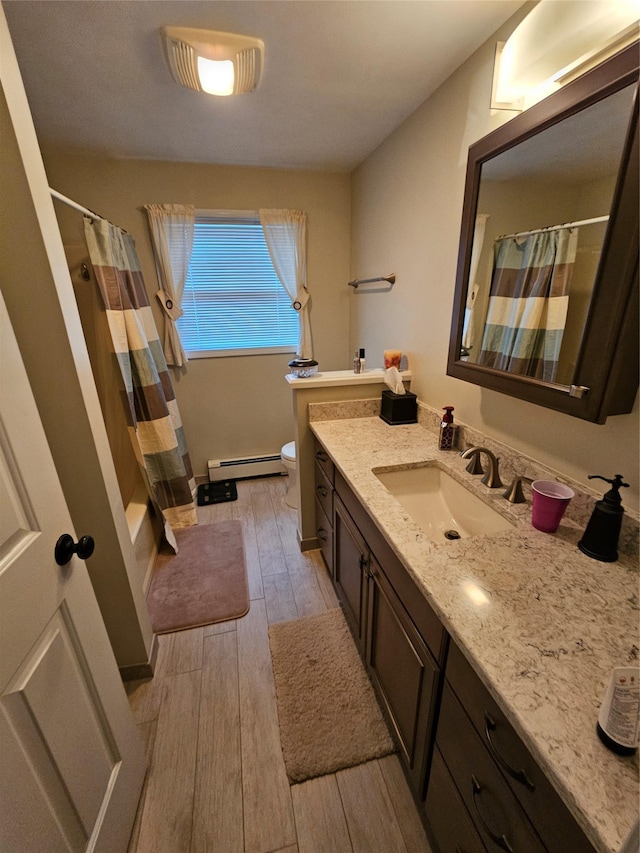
x: 546, y: 299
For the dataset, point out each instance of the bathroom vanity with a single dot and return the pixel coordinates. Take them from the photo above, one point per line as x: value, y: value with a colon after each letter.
x: 490, y: 654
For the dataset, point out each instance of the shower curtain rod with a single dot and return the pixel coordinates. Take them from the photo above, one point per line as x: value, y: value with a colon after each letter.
x: 554, y: 227
x: 74, y: 204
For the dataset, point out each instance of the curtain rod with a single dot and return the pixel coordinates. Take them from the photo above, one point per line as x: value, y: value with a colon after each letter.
x: 554, y: 227
x: 74, y: 204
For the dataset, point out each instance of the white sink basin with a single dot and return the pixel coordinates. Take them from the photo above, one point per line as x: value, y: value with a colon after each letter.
x: 439, y: 505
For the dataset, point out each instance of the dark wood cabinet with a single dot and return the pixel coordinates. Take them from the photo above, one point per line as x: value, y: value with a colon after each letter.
x: 324, y: 474
x: 478, y: 786
x: 324, y: 461
x: 543, y: 806
x: 498, y: 818
x: 402, y: 667
x: 403, y: 672
x: 451, y: 829
x: 324, y: 516
x: 324, y: 532
x: 418, y: 608
x: 350, y: 570
x: 324, y: 491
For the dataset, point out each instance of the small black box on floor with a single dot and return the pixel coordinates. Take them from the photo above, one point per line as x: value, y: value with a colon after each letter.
x: 399, y: 408
x: 217, y: 493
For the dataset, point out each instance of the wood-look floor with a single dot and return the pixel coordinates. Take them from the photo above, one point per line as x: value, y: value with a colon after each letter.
x: 216, y: 781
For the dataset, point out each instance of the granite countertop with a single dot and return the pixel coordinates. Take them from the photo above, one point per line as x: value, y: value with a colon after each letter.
x: 542, y: 624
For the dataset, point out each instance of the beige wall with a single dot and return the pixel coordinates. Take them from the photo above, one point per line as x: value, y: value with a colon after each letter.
x: 236, y: 406
x: 406, y: 211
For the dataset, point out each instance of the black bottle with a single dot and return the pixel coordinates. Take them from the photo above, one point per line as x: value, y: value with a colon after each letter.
x: 600, y: 539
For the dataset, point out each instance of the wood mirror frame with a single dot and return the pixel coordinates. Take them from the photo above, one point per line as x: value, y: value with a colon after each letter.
x: 608, y: 359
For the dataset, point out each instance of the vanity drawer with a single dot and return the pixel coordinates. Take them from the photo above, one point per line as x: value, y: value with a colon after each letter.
x: 324, y: 532
x: 451, y: 827
x: 500, y: 821
x: 551, y: 818
x: 324, y: 491
x: 323, y: 460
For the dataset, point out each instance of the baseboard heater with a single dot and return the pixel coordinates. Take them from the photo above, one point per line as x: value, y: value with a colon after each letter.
x: 244, y: 467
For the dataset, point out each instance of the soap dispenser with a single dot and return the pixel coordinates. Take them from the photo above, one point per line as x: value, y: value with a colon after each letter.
x: 600, y: 539
x: 447, y: 436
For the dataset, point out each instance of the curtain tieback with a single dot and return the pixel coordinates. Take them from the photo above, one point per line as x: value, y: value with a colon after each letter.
x: 302, y: 297
x: 169, y: 305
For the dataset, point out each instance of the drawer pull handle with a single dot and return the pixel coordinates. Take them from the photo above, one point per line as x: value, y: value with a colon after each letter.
x: 322, y: 456
x: 322, y: 534
x: 500, y: 840
x: 322, y: 491
x: 518, y: 775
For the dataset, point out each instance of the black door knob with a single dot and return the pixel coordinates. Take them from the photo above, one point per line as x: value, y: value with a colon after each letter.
x: 66, y: 548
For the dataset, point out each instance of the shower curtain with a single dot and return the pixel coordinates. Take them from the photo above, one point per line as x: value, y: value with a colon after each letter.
x: 153, y: 417
x: 528, y: 303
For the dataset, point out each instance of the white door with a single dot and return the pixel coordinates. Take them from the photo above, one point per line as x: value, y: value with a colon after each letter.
x: 71, y: 761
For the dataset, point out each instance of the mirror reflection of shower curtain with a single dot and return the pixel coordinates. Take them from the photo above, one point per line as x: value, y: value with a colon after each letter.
x: 476, y: 251
x: 528, y: 303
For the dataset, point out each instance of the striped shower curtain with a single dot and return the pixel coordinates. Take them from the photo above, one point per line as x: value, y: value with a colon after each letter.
x: 154, y: 420
x: 528, y: 303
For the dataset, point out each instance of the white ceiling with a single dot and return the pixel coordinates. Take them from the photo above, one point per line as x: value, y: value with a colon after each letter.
x: 340, y: 75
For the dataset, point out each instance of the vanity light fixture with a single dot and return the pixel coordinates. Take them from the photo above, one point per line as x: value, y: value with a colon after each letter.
x: 214, y: 62
x: 557, y: 42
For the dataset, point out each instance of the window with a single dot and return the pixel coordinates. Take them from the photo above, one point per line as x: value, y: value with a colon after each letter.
x: 233, y: 301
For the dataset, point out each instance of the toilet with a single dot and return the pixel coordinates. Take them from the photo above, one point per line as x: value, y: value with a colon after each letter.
x: 288, y: 457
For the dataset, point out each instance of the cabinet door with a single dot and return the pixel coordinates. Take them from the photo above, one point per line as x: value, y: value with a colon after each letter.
x: 413, y: 601
x: 404, y: 673
x: 351, y: 565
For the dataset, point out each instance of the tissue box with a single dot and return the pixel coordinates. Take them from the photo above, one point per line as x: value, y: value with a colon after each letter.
x: 399, y: 408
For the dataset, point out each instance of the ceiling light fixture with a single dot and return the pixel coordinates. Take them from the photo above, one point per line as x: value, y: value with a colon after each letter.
x: 214, y: 62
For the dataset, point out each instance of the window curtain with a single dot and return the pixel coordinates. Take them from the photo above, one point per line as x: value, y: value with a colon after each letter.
x: 171, y: 227
x: 154, y: 420
x: 528, y: 303
x: 285, y: 233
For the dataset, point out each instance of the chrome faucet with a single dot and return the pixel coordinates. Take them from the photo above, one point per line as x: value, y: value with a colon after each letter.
x: 514, y: 493
x: 492, y: 478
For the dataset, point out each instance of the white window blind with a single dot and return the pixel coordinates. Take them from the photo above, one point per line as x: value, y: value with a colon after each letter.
x: 233, y: 301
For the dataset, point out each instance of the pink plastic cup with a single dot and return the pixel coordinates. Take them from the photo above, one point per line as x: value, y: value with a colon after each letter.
x: 550, y: 500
